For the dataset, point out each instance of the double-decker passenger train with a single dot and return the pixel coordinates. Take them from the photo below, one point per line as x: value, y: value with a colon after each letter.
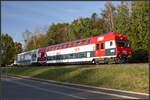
x: 111, y: 47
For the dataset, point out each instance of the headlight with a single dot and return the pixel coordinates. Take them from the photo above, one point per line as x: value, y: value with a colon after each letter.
x: 124, y: 51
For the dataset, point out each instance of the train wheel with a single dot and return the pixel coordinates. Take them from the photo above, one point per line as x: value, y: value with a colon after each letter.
x: 93, y: 61
x: 122, y: 61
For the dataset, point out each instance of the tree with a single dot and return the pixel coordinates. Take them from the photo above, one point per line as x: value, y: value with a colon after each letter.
x: 107, y: 16
x: 81, y: 28
x: 86, y: 27
x: 94, y: 17
x: 57, y: 33
x: 139, y: 19
x: 18, y: 47
x: 121, y: 19
x: 27, y: 35
x: 35, y: 36
x: 7, y: 50
x: 132, y: 21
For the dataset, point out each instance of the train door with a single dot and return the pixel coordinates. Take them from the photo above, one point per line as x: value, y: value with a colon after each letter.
x: 97, y: 51
x: 42, y: 56
x: 33, y: 57
x: 102, y: 49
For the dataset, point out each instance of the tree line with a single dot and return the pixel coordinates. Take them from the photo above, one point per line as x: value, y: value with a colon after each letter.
x: 130, y: 18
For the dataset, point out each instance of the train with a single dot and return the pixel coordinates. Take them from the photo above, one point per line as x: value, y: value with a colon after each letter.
x: 112, y: 47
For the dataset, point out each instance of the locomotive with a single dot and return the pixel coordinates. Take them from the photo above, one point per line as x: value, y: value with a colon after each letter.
x: 110, y: 47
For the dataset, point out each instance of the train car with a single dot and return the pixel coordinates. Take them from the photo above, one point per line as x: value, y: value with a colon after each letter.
x: 26, y: 58
x: 107, y: 48
x: 111, y: 47
x: 23, y: 58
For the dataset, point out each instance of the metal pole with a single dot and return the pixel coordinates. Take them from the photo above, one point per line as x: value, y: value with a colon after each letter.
x: 7, y: 46
x: 6, y: 71
x: 0, y: 62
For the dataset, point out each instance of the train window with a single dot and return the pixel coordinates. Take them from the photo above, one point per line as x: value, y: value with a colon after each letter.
x: 54, y: 57
x: 48, y: 49
x: 67, y: 56
x: 63, y: 57
x: 83, y: 42
x: 75, y: 55
x: 72, y: 44
x: 77, y: 43
x: 78, y: 55
x: 89, y: 41
x: 122, y: 43
x: 55, y: 47
x: 34, y: 55
x: 111, y: 43
x: 51, y: 58
x: 71, y: 56
x: 97, y: 46
x: 102, y: 45
x: 58, y: 47
x: 48, y: 58
x: 82, y: 55
x: 63, y: 46
x: 67, y: 45
x: 51, y: 48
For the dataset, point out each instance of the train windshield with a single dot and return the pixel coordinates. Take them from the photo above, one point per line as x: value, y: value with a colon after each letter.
x: 122, y: 43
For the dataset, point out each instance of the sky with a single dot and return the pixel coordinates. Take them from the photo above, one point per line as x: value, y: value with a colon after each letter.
x: 17, y: 16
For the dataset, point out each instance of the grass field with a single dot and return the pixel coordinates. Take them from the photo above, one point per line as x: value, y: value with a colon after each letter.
x: 125, y: 78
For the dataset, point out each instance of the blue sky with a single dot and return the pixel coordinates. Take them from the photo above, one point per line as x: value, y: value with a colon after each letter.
x: 18, y: 16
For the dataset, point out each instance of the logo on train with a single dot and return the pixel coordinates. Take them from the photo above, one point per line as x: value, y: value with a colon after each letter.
x: 77, y: 49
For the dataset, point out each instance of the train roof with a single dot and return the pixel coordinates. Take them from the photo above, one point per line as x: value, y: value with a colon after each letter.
x: 27, y: 51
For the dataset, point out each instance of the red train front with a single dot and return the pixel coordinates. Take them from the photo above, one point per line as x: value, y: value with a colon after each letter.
x: 112, y: 47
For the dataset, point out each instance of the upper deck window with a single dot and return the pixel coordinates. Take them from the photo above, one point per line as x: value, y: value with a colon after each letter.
x: 77, y: 43
x: 83, y: 42
x: 55, y: 47
x: 89, y: 41
x: 72, y: 44
x: 63, y: 46
x: 51, y: 48
x: 67, y: 45
x: 58, y: 47
x: 48, y: 49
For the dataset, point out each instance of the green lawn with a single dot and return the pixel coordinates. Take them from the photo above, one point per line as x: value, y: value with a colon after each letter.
x: 125, y: 78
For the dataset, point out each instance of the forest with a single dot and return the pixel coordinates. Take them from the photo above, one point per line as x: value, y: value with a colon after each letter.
x: 130, y: 18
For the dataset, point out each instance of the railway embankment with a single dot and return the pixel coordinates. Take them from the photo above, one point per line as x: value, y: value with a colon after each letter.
x: 124, y: 78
